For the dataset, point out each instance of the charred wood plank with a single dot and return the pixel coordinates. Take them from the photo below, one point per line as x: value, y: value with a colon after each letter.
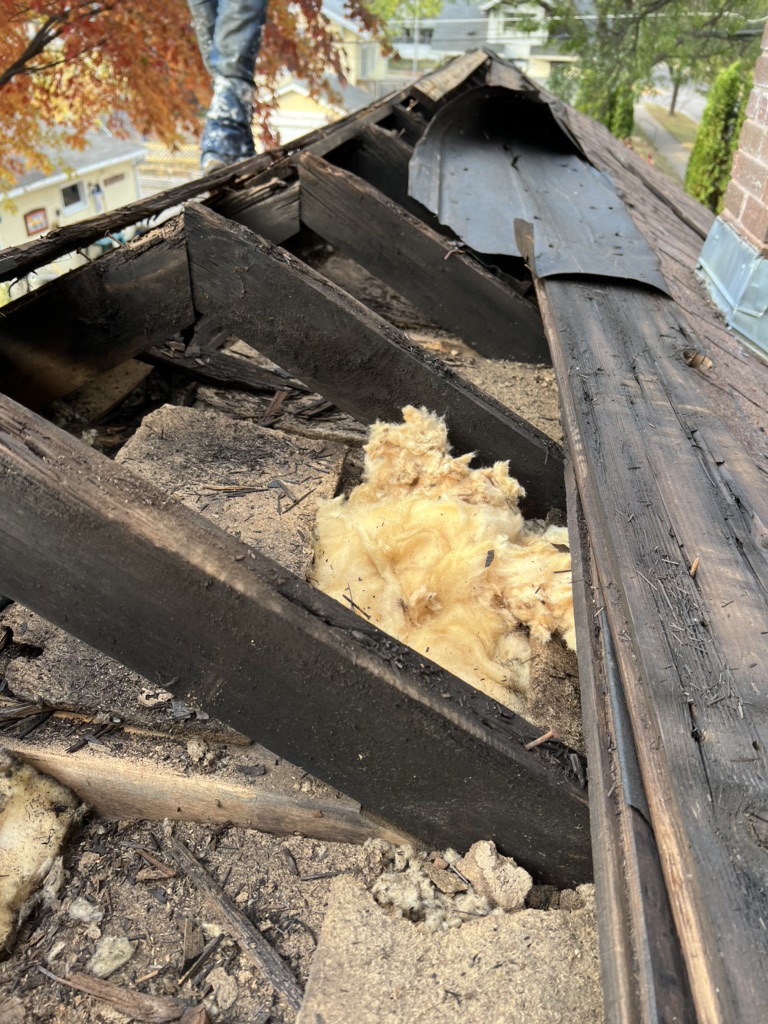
x: 353, y: 357
x: 410, y: 124
x: 381, y: 159
x: 439, y: 278
x: 642, y: 967
x: 93, y: 548
x: 22, y: 259
x: 94, y: 318
x: 223, y: 370
x: 691, y: 617
x: 271, y: 209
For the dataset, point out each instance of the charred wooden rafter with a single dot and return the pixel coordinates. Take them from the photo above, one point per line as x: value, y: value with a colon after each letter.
x: 449, y: 285
x: 94, y: 549
x: 89, y: 320
x: 344, y: 351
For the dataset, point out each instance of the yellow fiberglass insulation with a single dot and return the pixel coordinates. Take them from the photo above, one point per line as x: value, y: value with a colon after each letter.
x: 439, y: 556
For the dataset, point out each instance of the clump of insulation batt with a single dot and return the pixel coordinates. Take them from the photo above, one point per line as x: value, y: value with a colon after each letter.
x: 439, y: 556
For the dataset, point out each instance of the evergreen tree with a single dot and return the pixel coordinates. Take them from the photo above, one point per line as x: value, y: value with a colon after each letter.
x: 709, y: 168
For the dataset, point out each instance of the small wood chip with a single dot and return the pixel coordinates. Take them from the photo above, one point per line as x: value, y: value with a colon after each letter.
x: 445, y: 881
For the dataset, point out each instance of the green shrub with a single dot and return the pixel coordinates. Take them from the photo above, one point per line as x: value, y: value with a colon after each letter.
x: 709, y: 168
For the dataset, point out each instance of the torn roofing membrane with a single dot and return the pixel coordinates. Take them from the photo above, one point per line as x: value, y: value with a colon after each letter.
x: 493, y: 156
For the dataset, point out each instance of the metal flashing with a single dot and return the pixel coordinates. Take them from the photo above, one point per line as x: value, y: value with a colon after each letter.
x: 737, y: 279
x: 495, y: 155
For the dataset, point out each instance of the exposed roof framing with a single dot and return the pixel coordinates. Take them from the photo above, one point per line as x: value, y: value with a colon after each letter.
x: 667, y: 514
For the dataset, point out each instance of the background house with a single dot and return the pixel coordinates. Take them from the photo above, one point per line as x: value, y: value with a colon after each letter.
x: 503, y: 27
x: 101, y: 177
x: 80, y: 184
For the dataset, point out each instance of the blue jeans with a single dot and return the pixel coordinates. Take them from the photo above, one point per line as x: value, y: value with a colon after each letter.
x: 229, y: 34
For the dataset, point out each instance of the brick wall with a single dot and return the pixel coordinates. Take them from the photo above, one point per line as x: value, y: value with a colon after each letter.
x: 746, y: 198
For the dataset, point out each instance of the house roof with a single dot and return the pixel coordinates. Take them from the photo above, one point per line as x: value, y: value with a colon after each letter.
x: 101, y: 150
x: 459, y: 27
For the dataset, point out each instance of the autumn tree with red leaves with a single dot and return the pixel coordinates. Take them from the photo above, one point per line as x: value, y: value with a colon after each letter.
x: 71, y: 64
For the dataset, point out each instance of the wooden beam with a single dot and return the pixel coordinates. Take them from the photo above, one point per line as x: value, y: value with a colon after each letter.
x: 94, y: 318
x: 691, y: 620
x: 271, y: 209
x: 20, y: 260
x: 447, y: 284
x: 345, y: 352
x: 381, y: 159
x: 434, y: 88
x: 642, y: 967
x: 91, y: 547
x: 129, y: 789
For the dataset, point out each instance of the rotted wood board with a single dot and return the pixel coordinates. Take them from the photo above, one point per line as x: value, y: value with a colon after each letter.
x: 350, y: 355
x: 94, y: 318
x: 679, y: 563
x: 94, y: 549
x: 449, y: 285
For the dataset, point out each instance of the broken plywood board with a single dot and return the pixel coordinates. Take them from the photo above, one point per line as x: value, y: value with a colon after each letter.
x: 245, y: 478
x: 369, y: 968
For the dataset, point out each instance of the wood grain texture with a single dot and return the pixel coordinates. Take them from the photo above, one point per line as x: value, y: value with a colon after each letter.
x: 94, y: 318
x: 354, y: 358
x: 223, y: 370
x: 449, y: 285
x: 433, y: 88
x: 94, y: 549
x: 271, y: 209
x: 127, y: 789
x: 691, y: 648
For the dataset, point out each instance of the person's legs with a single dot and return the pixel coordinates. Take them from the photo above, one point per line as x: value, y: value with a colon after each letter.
x: 204, y: 23
x: 232, y: 59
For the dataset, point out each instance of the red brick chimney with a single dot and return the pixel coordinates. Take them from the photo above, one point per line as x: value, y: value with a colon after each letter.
x: 734, y: 259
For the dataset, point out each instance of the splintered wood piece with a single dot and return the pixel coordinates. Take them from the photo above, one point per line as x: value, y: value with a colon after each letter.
x: 249, y: 938
x: 350, y: 355
x: 435, y: 87
x: 89, y: 320
x: 128, y: 789
x: 136, y: 1005
x: 170, y: 595
x: 449, y: 285
x: 222, y: 370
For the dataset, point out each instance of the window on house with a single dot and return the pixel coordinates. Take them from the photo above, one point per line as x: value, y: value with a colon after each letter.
x: 73, y: 198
